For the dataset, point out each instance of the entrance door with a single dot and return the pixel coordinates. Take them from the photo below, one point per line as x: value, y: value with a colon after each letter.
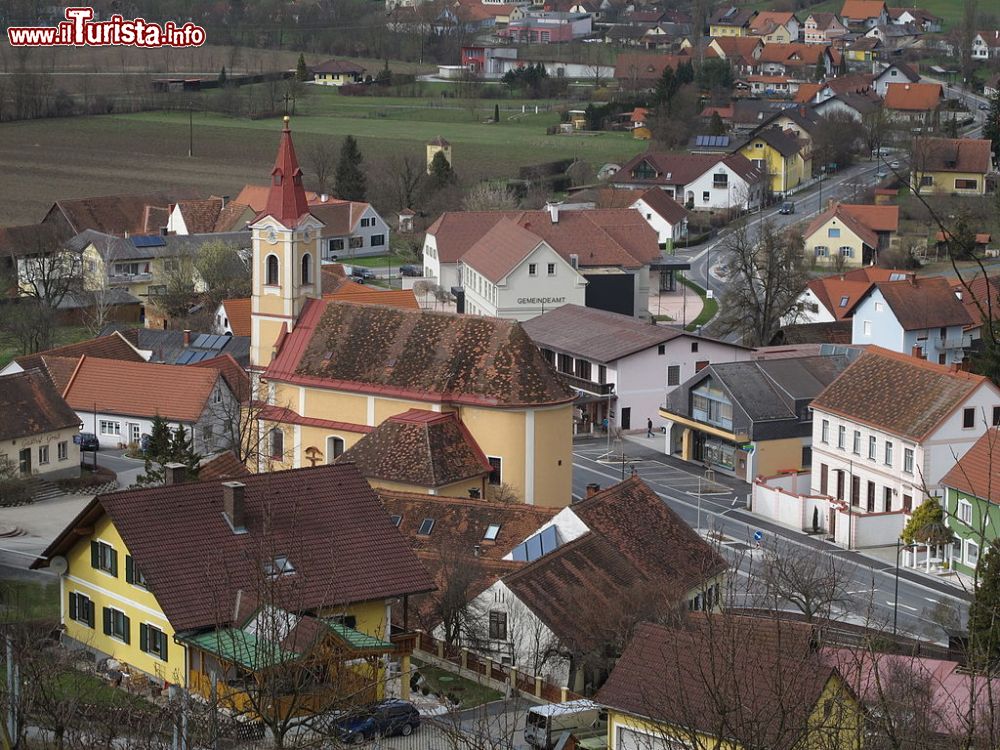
x: 133, y: 432
x: 627, y: 418
x: 24, y: 461
x: 833, y: 522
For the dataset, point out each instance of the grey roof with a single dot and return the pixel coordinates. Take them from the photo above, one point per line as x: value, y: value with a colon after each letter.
x: 168, y: 346
x: 113, y: 296
x: 595, y: 334
x: 129, y: 248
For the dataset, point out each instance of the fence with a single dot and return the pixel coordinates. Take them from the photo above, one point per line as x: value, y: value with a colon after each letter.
x: 528, y: 685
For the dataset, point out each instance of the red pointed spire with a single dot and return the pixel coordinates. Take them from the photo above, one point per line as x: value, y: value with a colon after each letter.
x: 286, y: 200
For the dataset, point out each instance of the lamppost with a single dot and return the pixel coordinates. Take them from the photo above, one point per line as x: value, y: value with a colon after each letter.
x: 895, y: 598
x: 822, y: 176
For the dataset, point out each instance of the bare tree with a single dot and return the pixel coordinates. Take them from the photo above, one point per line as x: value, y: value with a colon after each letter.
x: 815, y: 583
x: 449, y: 607
x: 323, y: 155
x: 224, y: 269
x: 490, y: 196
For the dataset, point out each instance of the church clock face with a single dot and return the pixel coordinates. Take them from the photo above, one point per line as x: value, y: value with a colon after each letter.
x: 307, y: 234
x: 272, y: 236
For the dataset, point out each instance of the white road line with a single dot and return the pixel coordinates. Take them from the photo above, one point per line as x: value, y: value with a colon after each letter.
x: 904, y: 606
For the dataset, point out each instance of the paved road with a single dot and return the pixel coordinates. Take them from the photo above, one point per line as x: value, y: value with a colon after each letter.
x: 872, y: 581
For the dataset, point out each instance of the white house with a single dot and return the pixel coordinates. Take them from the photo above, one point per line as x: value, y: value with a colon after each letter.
x: 921, y: 317
x: 118, y: 400
x: 831, y: 298
x: 986, y: 44
x: 623, y: 368
x: 352, y: 229
x: 665, y: 215
x: 699, y: 181
x: 894, y: 73
x: 513, y: 273
x: 887, y: 430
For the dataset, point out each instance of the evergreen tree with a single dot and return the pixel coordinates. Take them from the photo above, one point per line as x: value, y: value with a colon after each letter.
x: 820, y: 69
x: 167, y: 447
x: 496, y: 113
x: 991, y: 128
x: 716, y: 126
x: 984, y: 612
x: 159, y: 438
x: 667, y: 87
x: 384, y: 76
x: 301, y: 71
x: 222, y: 77
x: 350, y: 177
x: 182, y: 448
x: 928, y: 513
x: 441, y: 172
x: 685, y: 72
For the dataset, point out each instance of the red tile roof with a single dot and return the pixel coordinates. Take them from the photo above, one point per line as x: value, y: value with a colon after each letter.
x: 865, y: 233
x: 498, y: 252
x: 31, y: 405
x: 793, y: 54
x: 200, y: 216
x: 140, y: 389
x: 235, y: 376
x: 238, y: 312
x: 913, y: 97
x: 862, y: 10
x: 923, y: 394
x: 112, y: 346
x: 325, y: 519
x: 877, y: 218
x: 337, y: 66
x: 666, y: 207
x: 421, y: 355
x: 924, y: 302
x: 423, y: 448
x: 221, y: 467
x: 644, y: 68
x: 359, y: 294
x: 977, y: 473
x: 739, y: 50
x: 286, y: 197
x: 954, y: 155
x: 980, y: 296
x: 852, y: 285
x: 806, y: 92
x: 767, y: 21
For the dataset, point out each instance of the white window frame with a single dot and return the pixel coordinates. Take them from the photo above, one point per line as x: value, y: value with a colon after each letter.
x: 43, y: 454
x: 908, y: 458
x: 964, y: 511
x: 966, y: 557
x: 62, y: 450
x: 110, y: 428
x: 824, y: 434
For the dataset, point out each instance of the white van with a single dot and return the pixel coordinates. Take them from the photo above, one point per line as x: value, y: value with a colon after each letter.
x: 544, y: 724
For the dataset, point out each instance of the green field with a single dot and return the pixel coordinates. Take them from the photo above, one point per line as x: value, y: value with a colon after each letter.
x: 949, y: 10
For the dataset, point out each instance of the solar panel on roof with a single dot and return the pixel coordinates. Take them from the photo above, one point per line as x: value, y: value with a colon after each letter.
x: 200, y: 341
x: 219, y: 341
x: 148, y: 240
x: 185, y: 358
x: 536, y: 546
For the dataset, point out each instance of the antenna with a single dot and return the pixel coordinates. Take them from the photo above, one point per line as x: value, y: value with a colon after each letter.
x: 58, y: 565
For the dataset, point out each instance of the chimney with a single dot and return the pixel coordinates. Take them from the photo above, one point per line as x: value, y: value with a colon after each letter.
x: 574, y: 260
x: 233, y: 505
x: 553, y: 212
x: 593, y: 488
x: 187, y: 337
x: 323, y: 198
x: 174, y: 473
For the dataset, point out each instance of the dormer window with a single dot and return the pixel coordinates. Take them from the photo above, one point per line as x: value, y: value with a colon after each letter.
x: 279, y: 566
x: 276, y: 179
x: 396, y: 520
x: 426, y: 527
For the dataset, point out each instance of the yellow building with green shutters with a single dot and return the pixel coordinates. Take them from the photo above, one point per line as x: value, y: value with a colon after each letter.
x: 781, y: 157
x: 210, y: 584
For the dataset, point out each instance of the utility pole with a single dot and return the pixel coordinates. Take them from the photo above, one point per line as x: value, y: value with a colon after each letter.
x: 895, y: 598
x: 190, y: 131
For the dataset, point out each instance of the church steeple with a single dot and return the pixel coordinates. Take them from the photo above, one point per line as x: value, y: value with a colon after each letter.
x: 286, y: 199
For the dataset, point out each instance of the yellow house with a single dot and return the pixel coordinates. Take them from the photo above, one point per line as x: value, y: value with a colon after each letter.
x: 334, y: 371
x: 337, y: 73
x: 210, y: 582
x: 729, y: 20
x: 701, y: 685
x: 849, y: 235
x: 780, y: 156
x: 951, y: 165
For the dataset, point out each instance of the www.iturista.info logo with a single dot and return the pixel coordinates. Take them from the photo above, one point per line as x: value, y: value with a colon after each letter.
x: 79, y: 29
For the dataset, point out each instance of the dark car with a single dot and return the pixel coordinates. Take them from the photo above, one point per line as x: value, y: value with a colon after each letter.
x: 381, y: 720
x: 787, y: 208
x: 410, y: 270
x: 359, y: 272
x: 89, y: 442
x: 984, y: 106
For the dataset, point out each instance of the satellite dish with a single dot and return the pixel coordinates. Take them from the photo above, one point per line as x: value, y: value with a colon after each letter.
x: 58, y: 565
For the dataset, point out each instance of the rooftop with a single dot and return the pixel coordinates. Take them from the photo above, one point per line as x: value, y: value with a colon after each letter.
x: 31, y: 405
x: 913, y: 97
x: 977, y: 473
x: 953, y: 155
x: 924, y: 302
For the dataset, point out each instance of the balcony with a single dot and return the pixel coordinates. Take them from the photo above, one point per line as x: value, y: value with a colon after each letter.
x: 582, y: 384
x: 130, y: 278
x: 952, y: 342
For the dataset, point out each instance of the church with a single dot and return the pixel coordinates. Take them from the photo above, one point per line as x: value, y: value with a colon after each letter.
x: 333, y: 372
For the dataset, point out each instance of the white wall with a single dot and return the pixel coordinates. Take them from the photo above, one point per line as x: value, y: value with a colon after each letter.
x: 446, y: 274
x: 786, y: 500
x: 665, y: 231
x: 806, y: 301
x: 738, y: 192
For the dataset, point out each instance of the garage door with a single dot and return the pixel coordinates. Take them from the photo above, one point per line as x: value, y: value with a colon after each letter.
x: 630, y: 739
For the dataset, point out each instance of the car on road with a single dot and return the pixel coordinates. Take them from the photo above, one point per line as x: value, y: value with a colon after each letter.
x: 894, y: 165
x: 380, y: 720
x: 89, y: 442
x: 787, y: 208
x: 360, y: 272
x: 984, y: 106
x: 881, y: 174
x: 411, y: 270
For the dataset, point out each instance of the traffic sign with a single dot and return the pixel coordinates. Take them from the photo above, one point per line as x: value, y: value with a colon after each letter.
x: 77, y: 439
x: 758, y: 535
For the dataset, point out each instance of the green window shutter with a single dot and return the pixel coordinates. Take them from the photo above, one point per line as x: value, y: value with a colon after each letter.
x: 129, y: 569
x: 95, y: 555
x: 72, y: 607
x: 143, y: 637
x: 90, y: 613
x: 114, y: 562
x: 163, y: 646
x: 107, y: 621
x: 128, y: 629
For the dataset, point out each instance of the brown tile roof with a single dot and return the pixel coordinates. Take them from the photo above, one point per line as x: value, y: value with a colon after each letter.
x: 233, y: 217
x: 31, y: 405
x: 835, y: 332
x: 913, y: 97
x: 31, y: 239
x: 767, y: 21
x: 977, y: 473
x: 853, y: 284
x: 922, y: 393
x: 238, y: 312
x: 337, y: 66
x: 58, y: 369
x: 954, y: 155
x: 141, y: 389
x: 855, y: 82
x: 747, y: 682
x: 599, y: 237
x: 501, y: 250
x: 823, y: 20
x: 423, y: 448
x: 792, y: 54
x: 423, y: 355
x: 112, y: 346
x: 739, y: 49
x: 785, y: 143
x: 200, y: 216
x: 235, y: 376
x: 360, y: 294
x: 860, y: 10
x: 644, y: 68
x: 114, y: 214
x: 325, y: 519
x: 668, y: 209
x: 982, y: 289
x: 924, y: 302
x: 634, y: 542
x: 865, y: 233
x: 221, y: 467
x: 806, y: 92
x: 729, y: 15
x: 680, y: 169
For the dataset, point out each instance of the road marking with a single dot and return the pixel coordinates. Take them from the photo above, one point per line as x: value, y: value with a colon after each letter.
x: 904, y: 606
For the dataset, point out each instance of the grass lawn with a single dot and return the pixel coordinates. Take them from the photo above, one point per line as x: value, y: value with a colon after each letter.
x: 709, y: 306
x: 377, y: 261
x: 469, y: 694
x: 22, y: 600
x: 64, y: 335
x: 949, y: 10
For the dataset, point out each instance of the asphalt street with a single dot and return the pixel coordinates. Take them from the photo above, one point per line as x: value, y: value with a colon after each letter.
x: 871, y: 581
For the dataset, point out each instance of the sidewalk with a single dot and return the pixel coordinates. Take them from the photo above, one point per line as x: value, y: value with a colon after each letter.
x: 682, y: 306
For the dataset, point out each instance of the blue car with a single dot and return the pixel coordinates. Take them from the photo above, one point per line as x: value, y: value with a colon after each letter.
x: 380, y: 720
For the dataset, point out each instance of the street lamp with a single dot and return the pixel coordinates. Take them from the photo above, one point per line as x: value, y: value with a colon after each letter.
x: 822, y: 176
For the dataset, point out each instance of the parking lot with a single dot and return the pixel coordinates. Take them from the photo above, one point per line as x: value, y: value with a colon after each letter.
x: 652, y: 470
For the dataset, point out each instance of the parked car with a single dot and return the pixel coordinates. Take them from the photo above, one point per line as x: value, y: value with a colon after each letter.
x: 411, y: 270
x: 89, y: 442
x: 787, y: 208
x: 360, y: 272
x: 380, y: 720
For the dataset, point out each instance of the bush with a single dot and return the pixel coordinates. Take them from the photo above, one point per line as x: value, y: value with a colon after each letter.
x: 89, y: 477
x: 13, y: 491
x: 425, y: 691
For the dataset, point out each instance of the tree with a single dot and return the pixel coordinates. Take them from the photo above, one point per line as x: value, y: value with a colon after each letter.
x: 715, y: 75
x: 490, y: 196
x: 685, y: 72
x: 928, y: 514
x: 666, y: 87
x: 835, y: 140
x: 991, y: 127
x: 225, y: 271
x: 715, y: 125
x: 441, y: 173
x: 458, y: 577
x: 177, y: 295
x: 167, y: 447
x: 350, y: 177
x: 768, y: 273
x: 384, y: 76
x: 820, y: 70
x: 984, y: 612
x: 876, y: 124
x: 301, y: 70
x: 322, y: 157
x: 814, y: 582
x: 967, y: 32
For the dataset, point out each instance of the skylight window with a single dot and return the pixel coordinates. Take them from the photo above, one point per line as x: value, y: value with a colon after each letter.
x: 426, y: 527
x: 396, y: 520
x: 279, y: 566
x: 843, y: 301
x: 492, y: 531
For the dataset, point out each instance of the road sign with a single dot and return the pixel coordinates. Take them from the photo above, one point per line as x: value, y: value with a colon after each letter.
x: 77, y: 439
x: 758, y: 535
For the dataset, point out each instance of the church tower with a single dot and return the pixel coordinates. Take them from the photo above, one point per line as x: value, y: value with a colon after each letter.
x: 286, y: 256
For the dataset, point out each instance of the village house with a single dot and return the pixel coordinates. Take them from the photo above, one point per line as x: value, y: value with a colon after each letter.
x: 741, y: 52
x: 207, y: 216
x: 833, y: 298
x: 701, y: 181
x: 38, y: 436
x: 199, y: 619
x: 972, y: 498
x: 958, y: 166
x: 894, y: 73
x: 116, y: 215
x: 822, y: 28
x: 884, y: 435
x: 619, y: 552
x: 783, y: 160
x: 864, y: 14
x: 544, y: 27
x: 748, y: 418
x: 864, y: 50
x: 985, y: 45
x: 923, y: 19
x: 338, y: 370
x: 979, y: 295
x: 850, y: 235
x: 916, y: 104
x: 795, y: 59
x: 639, y: 71
x: 665, y: 215
x: 620, y: 367
x: 918, y: 316
x: 337, y: 73
x: 774, y: 27
x: 728, y: 20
